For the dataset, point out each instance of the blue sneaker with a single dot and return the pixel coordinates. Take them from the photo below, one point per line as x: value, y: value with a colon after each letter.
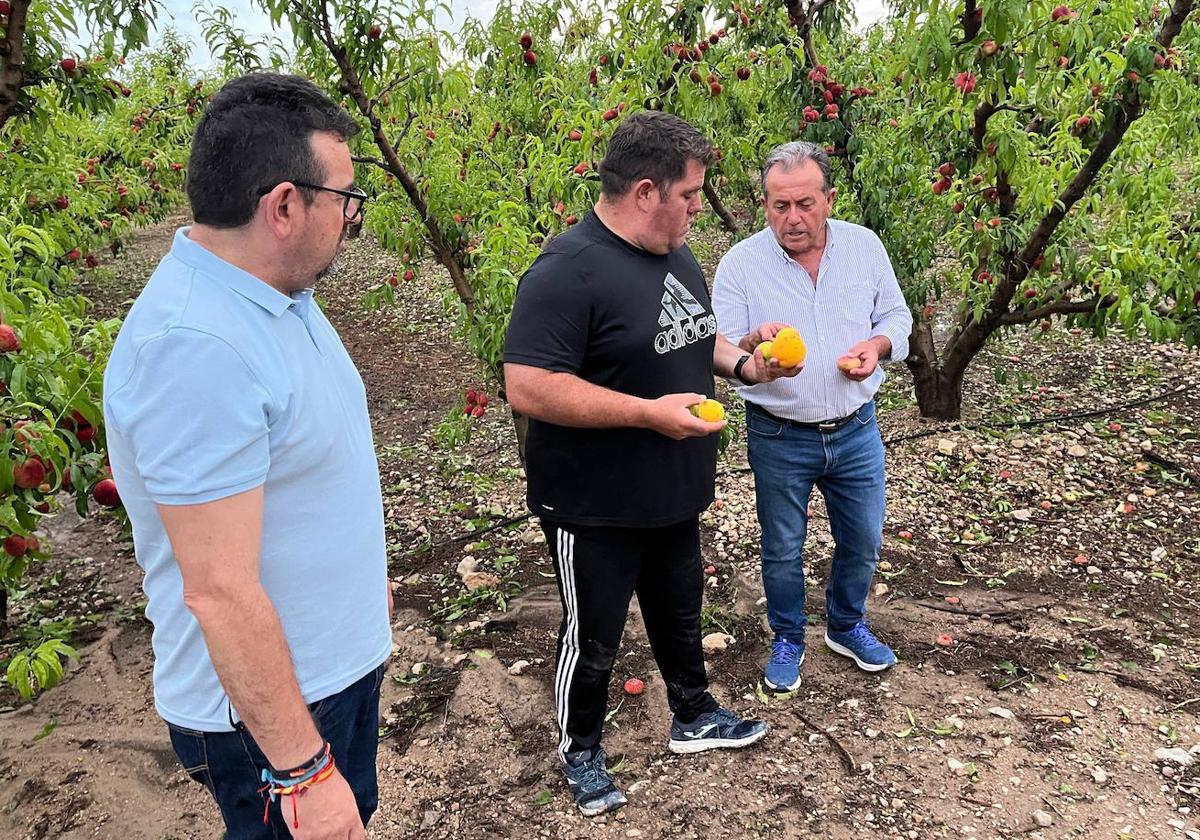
x: 860, y: 644
x: 590, y: 783
x: 783, y: 669
x: 714, y: 730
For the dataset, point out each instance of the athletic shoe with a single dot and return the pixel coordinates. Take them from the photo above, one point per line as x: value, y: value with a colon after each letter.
x: 783, y: 669
x: 590, y: 783
x: 714, y: 730
x: 860, y: 644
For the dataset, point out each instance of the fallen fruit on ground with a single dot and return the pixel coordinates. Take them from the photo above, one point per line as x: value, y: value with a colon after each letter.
x: 634, y: 686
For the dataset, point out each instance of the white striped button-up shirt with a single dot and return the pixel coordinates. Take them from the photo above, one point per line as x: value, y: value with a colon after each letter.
x: 856, y: 298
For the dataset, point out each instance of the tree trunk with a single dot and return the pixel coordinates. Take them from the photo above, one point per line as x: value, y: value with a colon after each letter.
x: 938, y: 387
x: 939, y: 394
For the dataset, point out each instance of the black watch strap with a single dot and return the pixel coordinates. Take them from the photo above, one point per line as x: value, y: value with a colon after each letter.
x: 737, y: 370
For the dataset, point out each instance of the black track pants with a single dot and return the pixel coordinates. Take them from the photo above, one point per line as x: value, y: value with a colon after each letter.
x: 598, y: 570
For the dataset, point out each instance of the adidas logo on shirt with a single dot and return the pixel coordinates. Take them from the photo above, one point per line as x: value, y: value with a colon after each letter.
x: 686, y: 321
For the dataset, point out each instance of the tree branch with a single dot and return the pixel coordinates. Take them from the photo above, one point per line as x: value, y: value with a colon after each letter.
x: 719, y: 208
x: 445, y: 252
x: 972, y: 21
x: 1058, y: 307
x: 12, y: 56
x: 804, y: 19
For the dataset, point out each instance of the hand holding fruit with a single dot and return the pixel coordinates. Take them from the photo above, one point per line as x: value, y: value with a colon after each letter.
x: 672, y: 415
x: 779, y: 352
x: 860, y: 360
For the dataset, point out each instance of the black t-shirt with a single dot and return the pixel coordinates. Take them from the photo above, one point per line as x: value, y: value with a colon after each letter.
x: 595, y: 306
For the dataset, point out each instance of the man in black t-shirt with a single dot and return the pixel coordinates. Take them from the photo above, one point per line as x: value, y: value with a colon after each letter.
x: 612, y: 338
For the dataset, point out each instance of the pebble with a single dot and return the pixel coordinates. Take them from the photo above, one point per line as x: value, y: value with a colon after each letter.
x: 1044, y: 819
x: 1001, y: 712
x: 716, y: 642
x: 518, y: 667
x: 1178, y: 755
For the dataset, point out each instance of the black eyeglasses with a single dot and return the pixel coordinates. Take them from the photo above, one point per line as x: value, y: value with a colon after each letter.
x: 352, y: 207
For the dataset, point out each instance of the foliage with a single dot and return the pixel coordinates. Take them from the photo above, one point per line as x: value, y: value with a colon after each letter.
x: 78, y: 173
x: 1070, y: 194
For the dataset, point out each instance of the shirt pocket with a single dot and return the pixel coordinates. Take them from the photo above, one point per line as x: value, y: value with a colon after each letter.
x: 857, y: 305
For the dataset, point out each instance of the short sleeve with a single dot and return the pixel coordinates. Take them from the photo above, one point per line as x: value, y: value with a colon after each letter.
x: 550, y: 317
x: 195, y: 417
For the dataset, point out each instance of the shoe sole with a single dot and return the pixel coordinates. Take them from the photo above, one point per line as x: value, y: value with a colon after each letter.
x: 783, y: 688
x: 845, y: 651
x: 703, y: 744
x: 603, y: 808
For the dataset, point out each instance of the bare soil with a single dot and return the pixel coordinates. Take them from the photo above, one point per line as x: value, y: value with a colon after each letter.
x: 1057, y: 562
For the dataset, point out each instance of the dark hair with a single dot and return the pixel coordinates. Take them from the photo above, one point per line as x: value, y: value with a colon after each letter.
x: 255, y: 133
x: 654, y: 145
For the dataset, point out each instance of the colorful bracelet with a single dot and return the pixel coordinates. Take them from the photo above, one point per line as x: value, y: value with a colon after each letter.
x: 294, y: 787
x: 282, y: 776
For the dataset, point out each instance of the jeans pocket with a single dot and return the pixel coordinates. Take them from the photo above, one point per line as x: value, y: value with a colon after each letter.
x: 762, y: 425
x: 865, y: 416
x: 191, y: 749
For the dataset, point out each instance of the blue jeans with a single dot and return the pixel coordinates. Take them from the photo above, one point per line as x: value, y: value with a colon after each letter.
x: 230, y: 764
x: 847, y: 467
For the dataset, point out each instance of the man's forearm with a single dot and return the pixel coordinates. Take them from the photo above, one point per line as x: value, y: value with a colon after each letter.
x: 726, y: 355
x: 250, y: 654
x: 883, y: 346
x: 567, y: 400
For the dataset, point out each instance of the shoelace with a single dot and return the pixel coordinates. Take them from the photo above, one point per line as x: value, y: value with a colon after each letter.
x: 596, y: 777
x: 861, y: 634
x: 784, y: 652
x: 724, y: 717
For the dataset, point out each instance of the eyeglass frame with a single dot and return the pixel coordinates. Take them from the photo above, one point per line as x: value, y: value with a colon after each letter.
x: 348, y: 195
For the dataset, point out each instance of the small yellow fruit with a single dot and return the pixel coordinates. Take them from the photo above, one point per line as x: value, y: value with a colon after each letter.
x: 767, y: 347
x: 848, y: 363
x: 788, y: 348
x: 710, y: 411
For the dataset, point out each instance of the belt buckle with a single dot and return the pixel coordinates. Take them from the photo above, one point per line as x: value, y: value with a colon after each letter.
x: 827, y: 426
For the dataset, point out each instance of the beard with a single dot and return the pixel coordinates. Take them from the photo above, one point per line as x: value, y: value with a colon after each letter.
x: 334, y: 266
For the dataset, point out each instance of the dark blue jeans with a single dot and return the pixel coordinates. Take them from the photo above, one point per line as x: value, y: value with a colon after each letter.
x: 230, y: 764
x: 847, y: 467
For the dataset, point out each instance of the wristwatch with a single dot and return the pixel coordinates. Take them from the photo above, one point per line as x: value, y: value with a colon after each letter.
x: 737, y: 370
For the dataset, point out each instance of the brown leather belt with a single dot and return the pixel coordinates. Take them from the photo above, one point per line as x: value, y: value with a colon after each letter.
x: 824, y: 427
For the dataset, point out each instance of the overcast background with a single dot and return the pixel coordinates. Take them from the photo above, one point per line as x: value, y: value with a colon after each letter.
x: 177, y: 14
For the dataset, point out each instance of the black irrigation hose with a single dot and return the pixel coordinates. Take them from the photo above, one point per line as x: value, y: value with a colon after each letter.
x: 953, y: 427
x: 1038, y: 421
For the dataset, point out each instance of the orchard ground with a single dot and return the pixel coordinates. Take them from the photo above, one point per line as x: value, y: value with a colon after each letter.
x: 1038, y: 583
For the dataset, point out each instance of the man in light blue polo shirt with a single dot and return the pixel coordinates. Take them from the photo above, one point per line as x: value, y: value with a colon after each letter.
x: 833, y: 282
x: 239, y: 440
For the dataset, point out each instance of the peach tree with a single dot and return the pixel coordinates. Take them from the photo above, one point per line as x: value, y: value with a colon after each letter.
x: 1047, y: 149
x: 90, y: 148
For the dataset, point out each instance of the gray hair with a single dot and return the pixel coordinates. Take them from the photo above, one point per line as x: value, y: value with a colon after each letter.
x: 795, y: 153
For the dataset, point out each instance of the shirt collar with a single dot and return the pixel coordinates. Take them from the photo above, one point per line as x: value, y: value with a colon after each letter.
x: 231, y: 277
x: 830, y: 242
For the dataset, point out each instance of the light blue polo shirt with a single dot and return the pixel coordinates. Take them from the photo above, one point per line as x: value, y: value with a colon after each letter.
x: 218, y: 384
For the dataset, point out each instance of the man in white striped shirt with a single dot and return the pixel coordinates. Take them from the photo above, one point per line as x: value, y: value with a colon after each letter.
x: 832, y: 281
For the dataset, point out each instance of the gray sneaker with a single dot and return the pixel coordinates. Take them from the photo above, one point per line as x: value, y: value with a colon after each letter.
x: 591, y: 785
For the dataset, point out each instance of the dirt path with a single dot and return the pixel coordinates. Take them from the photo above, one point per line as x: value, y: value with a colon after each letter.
x: 1059, y: 559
